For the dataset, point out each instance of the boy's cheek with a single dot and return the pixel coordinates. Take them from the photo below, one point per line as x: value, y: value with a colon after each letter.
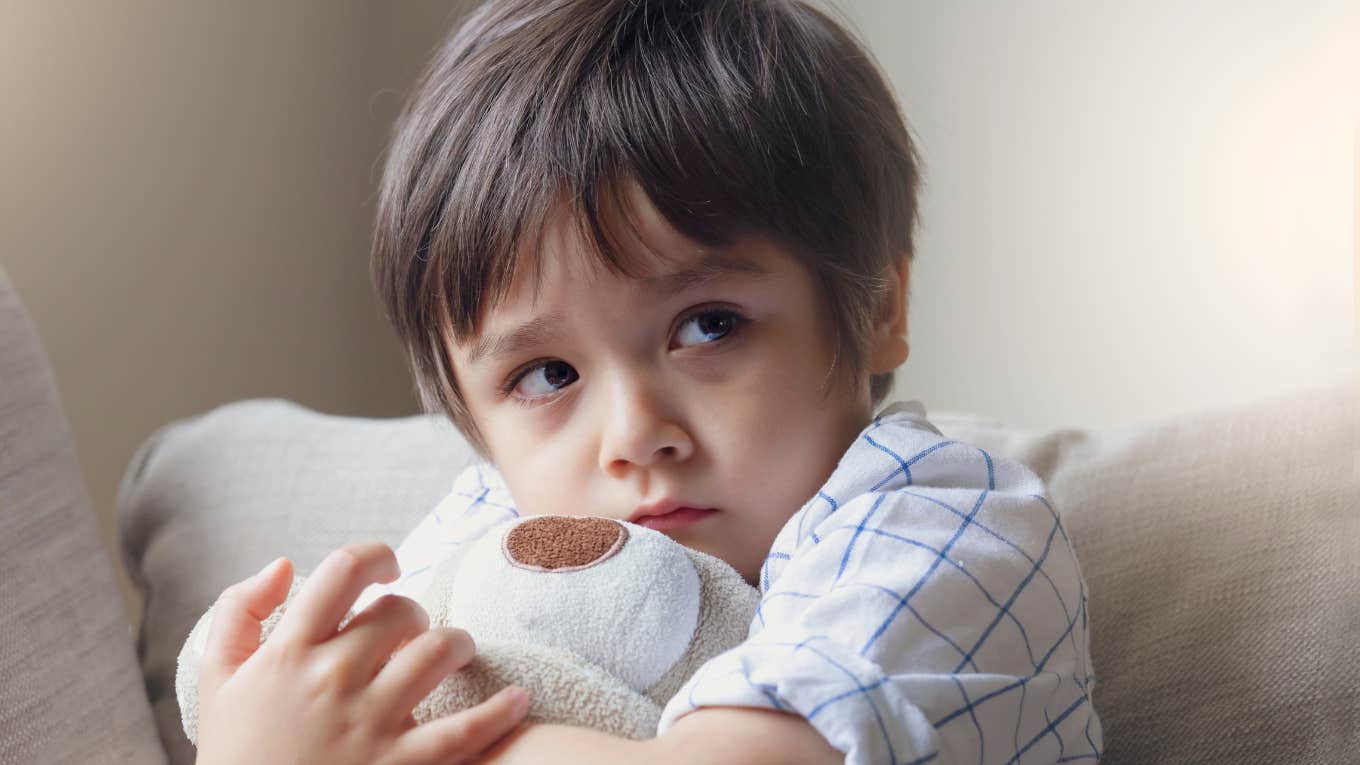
x: 543, y: 484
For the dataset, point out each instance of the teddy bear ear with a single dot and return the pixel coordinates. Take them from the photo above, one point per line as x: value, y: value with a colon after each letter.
x: 560, y: 544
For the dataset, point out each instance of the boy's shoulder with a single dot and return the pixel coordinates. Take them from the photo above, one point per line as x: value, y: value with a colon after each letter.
x: 902, y: 449
x: 904, y: 481
x: 904, y: 413
x: 905, y: 491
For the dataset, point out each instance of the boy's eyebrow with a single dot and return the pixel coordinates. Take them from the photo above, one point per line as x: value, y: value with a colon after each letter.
x: 544, y: 329
x: 710, y: 267
x: 537, y: 332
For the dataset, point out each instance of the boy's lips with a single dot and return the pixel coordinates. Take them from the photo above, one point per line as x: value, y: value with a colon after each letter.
x: 669, y: 515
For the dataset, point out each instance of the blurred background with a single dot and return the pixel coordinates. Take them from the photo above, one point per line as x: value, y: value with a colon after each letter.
x: 1131, y: 211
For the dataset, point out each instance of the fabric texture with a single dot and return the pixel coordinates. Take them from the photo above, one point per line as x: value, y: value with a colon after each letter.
x: 70, y: 689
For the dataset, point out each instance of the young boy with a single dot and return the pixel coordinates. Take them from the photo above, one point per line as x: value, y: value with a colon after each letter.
x: 652, y: 257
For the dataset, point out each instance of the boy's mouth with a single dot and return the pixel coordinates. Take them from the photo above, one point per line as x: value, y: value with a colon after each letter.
x: 669, y: 515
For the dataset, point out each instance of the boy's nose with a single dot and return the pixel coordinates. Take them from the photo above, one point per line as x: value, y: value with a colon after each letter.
x: 640, y: 433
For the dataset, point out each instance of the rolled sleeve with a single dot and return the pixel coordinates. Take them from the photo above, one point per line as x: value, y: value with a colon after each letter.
x: 848, y: 699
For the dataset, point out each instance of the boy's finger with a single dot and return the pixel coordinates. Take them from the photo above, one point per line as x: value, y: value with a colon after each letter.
x: 329, y: 592
x: 418, y: 667
x: 371, y: 637
x: 234, y: 634
x: 461, y: 737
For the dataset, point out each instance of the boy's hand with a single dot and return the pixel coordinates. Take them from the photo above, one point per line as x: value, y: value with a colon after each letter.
x: 312, y: 694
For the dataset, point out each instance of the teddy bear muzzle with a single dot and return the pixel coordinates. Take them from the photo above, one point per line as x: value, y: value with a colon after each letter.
x: 561, y: 544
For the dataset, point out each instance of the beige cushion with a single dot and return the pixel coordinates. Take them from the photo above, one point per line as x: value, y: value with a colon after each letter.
x: 70, y: 689
x: 1219, y: 551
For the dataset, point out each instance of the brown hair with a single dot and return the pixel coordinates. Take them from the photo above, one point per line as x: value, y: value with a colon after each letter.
x: 733, y: 116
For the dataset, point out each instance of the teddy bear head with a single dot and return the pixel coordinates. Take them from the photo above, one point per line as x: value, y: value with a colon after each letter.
x: 602, y: 621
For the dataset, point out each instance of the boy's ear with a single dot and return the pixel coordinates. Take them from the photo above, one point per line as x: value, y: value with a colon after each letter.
x: 890, y: 347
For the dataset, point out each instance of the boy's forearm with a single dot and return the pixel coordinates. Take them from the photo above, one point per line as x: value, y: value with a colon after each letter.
x: 716, y: 735
x: 562, y: 744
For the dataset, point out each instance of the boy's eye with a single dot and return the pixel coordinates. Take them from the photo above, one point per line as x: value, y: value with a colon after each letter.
x: 706, y: 327
x: 544, y: 379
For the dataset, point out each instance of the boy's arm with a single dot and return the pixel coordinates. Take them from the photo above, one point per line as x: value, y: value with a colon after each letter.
x: 708, y: 735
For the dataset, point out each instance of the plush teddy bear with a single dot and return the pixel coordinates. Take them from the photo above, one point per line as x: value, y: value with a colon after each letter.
x: 600, y: 621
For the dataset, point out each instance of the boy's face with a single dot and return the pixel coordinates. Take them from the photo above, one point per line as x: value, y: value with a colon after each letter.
x: 691, y: 400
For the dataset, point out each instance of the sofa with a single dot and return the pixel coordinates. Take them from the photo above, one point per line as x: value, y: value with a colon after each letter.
x: 1221, y: 552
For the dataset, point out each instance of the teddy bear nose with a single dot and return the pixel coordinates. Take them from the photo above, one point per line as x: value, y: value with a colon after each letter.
x: 559, y: 543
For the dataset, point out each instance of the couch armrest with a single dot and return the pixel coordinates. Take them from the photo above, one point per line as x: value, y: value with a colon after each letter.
x: 70, y: 689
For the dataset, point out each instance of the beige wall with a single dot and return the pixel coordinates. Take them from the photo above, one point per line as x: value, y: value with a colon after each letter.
x: 1132, y: 209
x: 187, y: 205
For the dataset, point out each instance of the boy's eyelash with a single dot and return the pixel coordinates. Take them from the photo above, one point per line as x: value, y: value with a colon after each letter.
x: 512, y: 382
x: 529, y: 403
x: 507, y: 388
x: 739, y: 319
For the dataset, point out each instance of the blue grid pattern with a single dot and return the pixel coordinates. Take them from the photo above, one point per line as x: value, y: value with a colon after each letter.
x: 925, y: 606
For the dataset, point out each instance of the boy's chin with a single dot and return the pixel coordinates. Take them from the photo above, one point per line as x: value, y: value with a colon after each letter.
x: 710, y: 545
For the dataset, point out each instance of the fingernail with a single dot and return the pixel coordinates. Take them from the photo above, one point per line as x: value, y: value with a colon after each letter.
x: 519, y: 698
x: 269, y: 569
